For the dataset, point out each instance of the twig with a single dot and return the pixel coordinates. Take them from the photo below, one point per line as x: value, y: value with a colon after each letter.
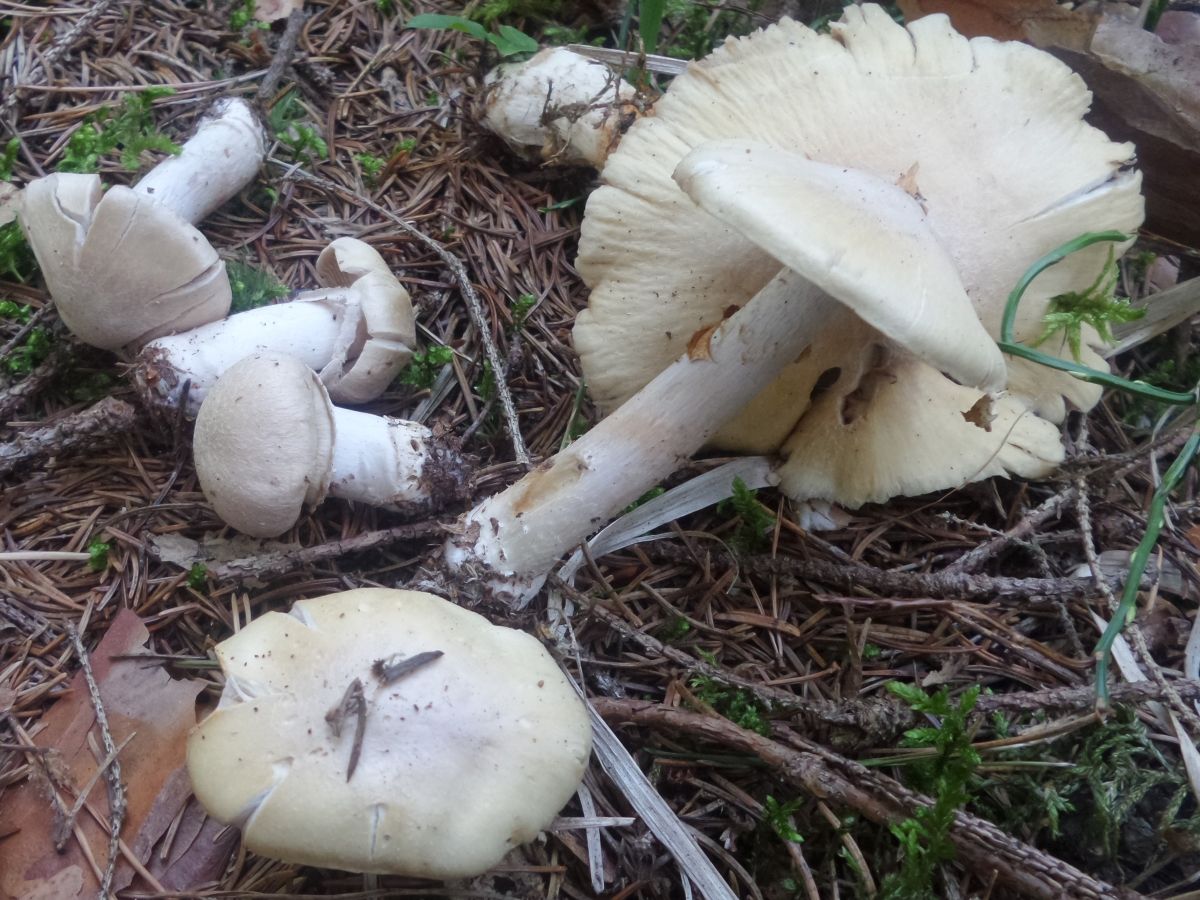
x: 979, y: 844
x: 14, y: 395
x: 109, y: 416
x: 34, y: 321
x: 944, y: 584
x: 353, y: 703
x: 116, y: 793
x: 51, y: 56
x: 283, y: 561
x: 970, y: 562
x: 283, y: 54
x: 456, y: 267
x: 63, y: 829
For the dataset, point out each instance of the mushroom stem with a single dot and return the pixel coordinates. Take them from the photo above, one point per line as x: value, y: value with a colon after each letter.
x: 512, y: 539
x: 217, y: 161
x: 304, y: 328
x: 381, y: 461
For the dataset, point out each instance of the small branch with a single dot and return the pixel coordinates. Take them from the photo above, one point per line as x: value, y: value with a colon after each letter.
x: 109, y: 416
x: 280, y: 562
x: 283, y: 55
x: 13, y: 396
x: 979, y: 844
x: 945, y: 584
x: 116, y: 793
x: 34, y: 321
x: 1050, y: 508
x: 1082, y: 698
x: 456, y: 267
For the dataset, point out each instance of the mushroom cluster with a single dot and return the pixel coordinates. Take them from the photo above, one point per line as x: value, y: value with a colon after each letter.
x: 844, y: 216
x: 388, y: 731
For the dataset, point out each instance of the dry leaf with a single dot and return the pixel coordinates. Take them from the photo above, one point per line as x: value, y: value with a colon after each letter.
x: 141, y: 701
x: 982, y: 412
x: 1002, y: 19
x: 272, y: 10
x: 699, y: 345
x: 1145, y: 92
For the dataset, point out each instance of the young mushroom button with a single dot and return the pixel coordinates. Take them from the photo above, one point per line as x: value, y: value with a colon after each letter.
x: 126, y: 265
x: 268, y: 442
x: 328, y: 750
x: 559, y: 107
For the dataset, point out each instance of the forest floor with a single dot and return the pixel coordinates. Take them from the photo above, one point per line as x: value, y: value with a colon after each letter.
x: 748, y: 666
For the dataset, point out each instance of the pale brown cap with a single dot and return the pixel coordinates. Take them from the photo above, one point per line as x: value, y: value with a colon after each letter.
x: 460, y: 761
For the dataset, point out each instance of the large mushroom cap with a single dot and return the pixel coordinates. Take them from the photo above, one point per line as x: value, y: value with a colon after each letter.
x: 122, y: 269
x: 385, y: 330
x: 264, y: 443
x: 460, y: 761
x: 990, y: 136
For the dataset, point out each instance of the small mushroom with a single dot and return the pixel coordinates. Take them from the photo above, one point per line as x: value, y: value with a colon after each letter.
x: 126, y: 265
x: 269, y: 442
x: 559, y: 107
x: 357, y: 334
x: 324, y: 755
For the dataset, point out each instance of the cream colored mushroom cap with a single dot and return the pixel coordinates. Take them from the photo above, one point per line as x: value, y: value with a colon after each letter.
x: 387, y: 335
x: 121, y: 268
x: 263, y: 443
x: 991, y: 134
x: 461, y: 760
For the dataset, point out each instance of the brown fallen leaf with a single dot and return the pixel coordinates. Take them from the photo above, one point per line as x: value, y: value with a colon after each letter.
x: 982, y: 412
x: 1146, y: 91
x: 1001, y: 19
x: 146, y: 708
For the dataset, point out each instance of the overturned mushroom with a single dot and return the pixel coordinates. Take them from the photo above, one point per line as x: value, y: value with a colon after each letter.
x: 126, y: 265
x: 752, y: 241
x: 560, y: 107
x: 990, y: 139
x: 388, y: 731
x: 357, y: 333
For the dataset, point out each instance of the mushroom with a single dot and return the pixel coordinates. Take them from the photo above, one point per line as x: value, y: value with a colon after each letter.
x: 388, y: 731
x: 750, y: 243
x: 989, y: 136
x: 268, y: 442
x: 357, y: 333
x: 126, y: 265
x: 559, y: 107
